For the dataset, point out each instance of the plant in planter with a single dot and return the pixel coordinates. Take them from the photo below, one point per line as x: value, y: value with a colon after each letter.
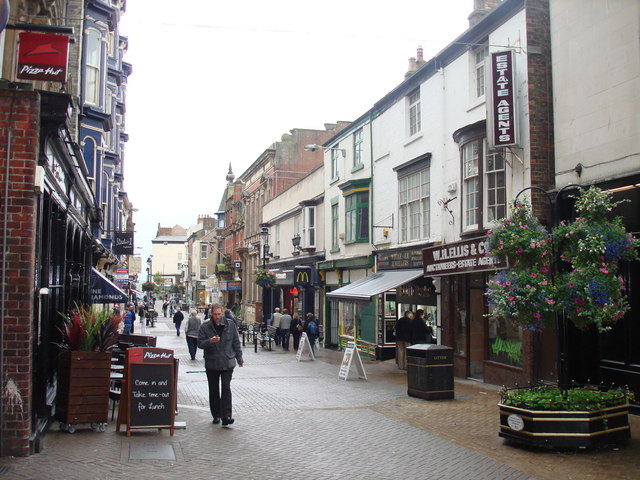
x: 264, y: 277
x: 84, y: 367
x: 572, y: 271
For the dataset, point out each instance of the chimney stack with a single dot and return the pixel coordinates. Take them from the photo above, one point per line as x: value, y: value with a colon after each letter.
x: 413, y: 67
x: 481, y: 8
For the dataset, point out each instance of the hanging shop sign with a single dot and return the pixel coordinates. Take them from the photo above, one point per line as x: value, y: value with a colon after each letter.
x: 302, y: 276
x: 123, y: 243
x: 460, y: 257
x: 43, y: 56
x: 502, y: 128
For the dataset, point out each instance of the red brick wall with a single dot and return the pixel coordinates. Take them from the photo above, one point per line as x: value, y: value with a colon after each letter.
x: 540, y: 102
x: 19, y: 113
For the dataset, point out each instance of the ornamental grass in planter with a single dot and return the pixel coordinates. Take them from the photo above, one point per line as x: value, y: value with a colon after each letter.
x: 572, y: 272
x: 84, y: 367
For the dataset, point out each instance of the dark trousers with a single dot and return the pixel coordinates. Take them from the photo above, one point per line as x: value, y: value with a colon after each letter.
x: 285, y: 339
x: 192, y: 343
x: 220, y: 401
x: 296, y: 339
x: 278, y: 336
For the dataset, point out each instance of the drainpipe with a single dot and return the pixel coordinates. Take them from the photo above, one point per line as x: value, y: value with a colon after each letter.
x: 371, y: 189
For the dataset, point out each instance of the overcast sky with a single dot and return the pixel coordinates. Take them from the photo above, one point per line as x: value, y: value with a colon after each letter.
x: 217, y: 82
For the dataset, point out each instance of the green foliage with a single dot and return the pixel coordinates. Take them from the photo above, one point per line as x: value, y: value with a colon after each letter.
x: 511, y: 348
x: 148, y: 287
x: 551, y: 398
x: 87, y: 330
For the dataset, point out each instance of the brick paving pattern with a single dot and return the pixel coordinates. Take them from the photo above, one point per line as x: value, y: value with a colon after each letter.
x: 297, y: 420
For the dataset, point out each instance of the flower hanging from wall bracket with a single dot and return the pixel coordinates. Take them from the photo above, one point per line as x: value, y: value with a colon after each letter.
x: 264, y: 277
x: 574, y: 269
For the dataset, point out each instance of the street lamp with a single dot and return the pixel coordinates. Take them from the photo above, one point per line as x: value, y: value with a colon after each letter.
x: 266, y: 291
x: 296, y: 242
x: 313, y: 147
x: 149, y: 269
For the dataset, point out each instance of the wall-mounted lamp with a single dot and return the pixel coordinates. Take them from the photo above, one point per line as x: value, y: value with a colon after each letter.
x: 264, y: 236
x: 296, y: 242
x: 314, y: 148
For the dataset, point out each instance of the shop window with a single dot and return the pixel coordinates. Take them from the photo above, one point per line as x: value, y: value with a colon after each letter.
x: 505, y: 342
x: 349, y: 319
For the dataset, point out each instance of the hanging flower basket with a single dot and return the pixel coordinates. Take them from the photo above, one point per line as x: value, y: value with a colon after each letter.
x: 265, y: 278
x: 588, y: 287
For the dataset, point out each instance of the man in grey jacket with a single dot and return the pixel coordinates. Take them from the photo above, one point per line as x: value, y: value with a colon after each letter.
x: 222, y: 351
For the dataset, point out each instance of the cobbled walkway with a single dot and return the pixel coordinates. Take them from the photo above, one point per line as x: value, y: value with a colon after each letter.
x: 298, y: 420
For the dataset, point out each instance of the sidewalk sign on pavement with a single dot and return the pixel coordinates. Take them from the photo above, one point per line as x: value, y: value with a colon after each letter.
x: 349, y: 353
x: 304, y: 341
x: 148, y: 398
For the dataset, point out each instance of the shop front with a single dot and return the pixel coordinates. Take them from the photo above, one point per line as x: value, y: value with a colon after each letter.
x: 488, y: 349
x: 368, y: 309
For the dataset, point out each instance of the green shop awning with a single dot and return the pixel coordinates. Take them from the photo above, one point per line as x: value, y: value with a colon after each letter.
x: 379, y: 282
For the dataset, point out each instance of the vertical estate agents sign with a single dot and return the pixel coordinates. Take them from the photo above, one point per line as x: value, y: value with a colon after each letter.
x: 502, y: 111
x: 43, y: 57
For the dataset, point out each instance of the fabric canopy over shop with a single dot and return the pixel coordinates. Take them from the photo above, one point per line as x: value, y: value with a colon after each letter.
x: 105, y: 291
x: 379, y: 282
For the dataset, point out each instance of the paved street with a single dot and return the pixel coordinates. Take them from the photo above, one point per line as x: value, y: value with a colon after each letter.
x: 297, y: 420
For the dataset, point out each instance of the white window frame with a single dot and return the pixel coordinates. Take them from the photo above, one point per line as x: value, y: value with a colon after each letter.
x: 203, y: 268
x: 334, y: 164
x: 276, y: 240
x: 309, y: 224
x: 204, y: 251
x: 414, y: 113
x: 414, y: 205
x: 358, y: 144
x: 335, y: 225
x: 471, y: 184
x: 494, y: 196
x: 93, y: 67
x: 479, y: 63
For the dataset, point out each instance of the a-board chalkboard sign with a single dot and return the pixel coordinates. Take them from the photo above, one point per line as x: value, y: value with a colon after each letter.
x: 149, y: 385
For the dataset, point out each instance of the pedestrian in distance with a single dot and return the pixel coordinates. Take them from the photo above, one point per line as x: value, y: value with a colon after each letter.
x: 276, y: 324
x: 403, y: 338
x: 285, y: 326
x: 178, y: 317
x: 165, y: 305
x: 219, y: 339
x: 312, y: 330
x: 420, y: 331
x: 296, y: 330
x: 191, y: 332
x: 228, y: 314
x: 129, y: 318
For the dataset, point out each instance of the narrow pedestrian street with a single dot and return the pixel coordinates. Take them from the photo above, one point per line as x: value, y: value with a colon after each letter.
x: 297, y: 419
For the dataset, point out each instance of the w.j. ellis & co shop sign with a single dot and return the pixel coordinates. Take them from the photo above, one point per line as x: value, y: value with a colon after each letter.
x: 461, y: 257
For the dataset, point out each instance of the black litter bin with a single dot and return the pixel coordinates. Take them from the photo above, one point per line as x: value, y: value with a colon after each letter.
x: 430, y: 371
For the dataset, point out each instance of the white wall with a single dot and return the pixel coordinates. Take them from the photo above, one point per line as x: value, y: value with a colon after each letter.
x: 446, y: 107
x: 596, y: 82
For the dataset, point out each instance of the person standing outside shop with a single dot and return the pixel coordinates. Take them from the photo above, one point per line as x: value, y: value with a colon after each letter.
x: 403, y: 338
x: 191, y: 332
x: 296, y: 331
x: 285, y: 326
x: 129, y: 319
x: 178, y: 317
x: 222, y: 351
x: 420, y: 331
x: 312, y: 330
x: 276, y: 324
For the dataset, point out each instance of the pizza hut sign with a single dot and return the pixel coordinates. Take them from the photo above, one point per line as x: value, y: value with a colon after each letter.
x: 43, y: 57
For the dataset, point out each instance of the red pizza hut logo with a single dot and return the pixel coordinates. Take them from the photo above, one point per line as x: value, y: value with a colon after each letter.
x: 43, y: 57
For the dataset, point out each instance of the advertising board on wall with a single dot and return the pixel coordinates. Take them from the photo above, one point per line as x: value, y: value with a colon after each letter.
x: 502, y: 128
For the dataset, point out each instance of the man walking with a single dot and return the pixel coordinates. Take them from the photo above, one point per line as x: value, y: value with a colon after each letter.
x: 403, y: 338
x: 178, y: 317
x: 285, y: 325
x: 276, y: 325
x: 192, y: 330
x: 219, y: 339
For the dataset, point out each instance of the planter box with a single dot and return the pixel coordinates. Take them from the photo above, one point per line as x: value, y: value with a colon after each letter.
x: 609, y: 426
x: 83, y: 387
